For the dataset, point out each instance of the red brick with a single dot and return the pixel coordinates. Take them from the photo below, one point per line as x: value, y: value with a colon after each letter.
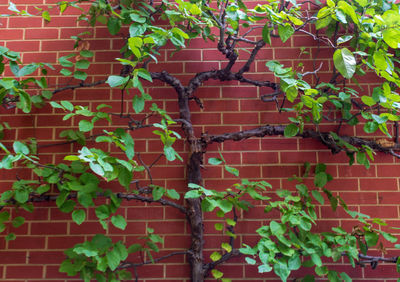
x: 11, y: 34
x: 46, y: 257
x: 64, y: 242
x: 48, y: 228
x: 12, y: 257
x: 22, y: 271
x: 298, y: 157
x: 379, y: 184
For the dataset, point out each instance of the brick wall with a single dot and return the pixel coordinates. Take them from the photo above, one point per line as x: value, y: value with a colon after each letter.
x: 37, y: 252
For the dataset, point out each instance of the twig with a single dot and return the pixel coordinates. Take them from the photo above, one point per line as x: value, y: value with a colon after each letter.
x: 125, y: 265
x: 81, y: 85
x: 151, y: 200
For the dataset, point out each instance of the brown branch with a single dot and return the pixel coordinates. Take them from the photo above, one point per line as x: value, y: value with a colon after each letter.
x: 163, y: 202
x: 225, y: 257
x: 374, y: 261
x: 47, y: 198
x: 125, y: 265
x: 251, y: 59
x: 81, y: 85
x: 278, y: 130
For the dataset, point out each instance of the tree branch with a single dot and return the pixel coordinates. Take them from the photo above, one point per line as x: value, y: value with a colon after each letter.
x: 125, y: 265
x: 324, y: 137
x: 81, y: 85
x: 151, y: 200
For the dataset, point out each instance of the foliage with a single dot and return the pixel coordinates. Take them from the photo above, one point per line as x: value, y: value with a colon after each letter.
x: 285, y: 244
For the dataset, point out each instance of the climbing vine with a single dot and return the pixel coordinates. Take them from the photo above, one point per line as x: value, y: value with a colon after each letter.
x: 364, y: 38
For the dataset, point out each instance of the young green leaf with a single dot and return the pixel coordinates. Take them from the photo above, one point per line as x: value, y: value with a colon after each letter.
x: 118, y: 221
x: 291, y: 130
x: 116, y: 80
x: 344, y: 62
x: 285, y: 32
x: 78, y: 216
x: 18, y: 221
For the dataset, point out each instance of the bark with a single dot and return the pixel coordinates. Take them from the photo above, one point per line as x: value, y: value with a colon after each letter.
x: 194, y: 213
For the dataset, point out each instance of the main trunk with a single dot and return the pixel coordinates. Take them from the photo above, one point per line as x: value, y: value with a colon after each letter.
x: 195, y: 217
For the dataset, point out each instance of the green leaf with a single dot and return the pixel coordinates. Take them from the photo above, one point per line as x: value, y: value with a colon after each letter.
x: 317, y: 195
x: 282, y: 270
x: 226, y: 247
x: 68, y: 105
x: 86, y: 53
x: 192, y: 194
x: 46, y: 16
x: 4, y: 216
x: 20, y: 148
x: 291, y: 93
x: 25, y: 102
x: 379, y: 119
x: 294, y: 262
x: 215, y: 256
x: 214, y: 161
x: 367, y: 100
x: 344, y: 38
x: 276, y: 228
x: 371, y: 126
x: 250, y: 261
x: 14, y: 68
x: 138, y: 103
x: 82, y: 64
x: 118, y: 221
x: 219, y: 226
x: 345, y: 277
x: 10, y: 237
x: 230, y: 222
x: 371, y: 238
x: 113, y: 25
x: 169, y: 153
x: 134, y: 248
x: 7, y: 83
x: 264, y: 268
x: 157, y: 193
x: 316, y: 259
x: 67, y: 206
x: 391, y: 37
x: 116, y: 80
x: 388, y: 236
x: 27, y: 70
x: 344, y: 62
x: 285, y: 31
x: 225, y: 205
x: 80, y: 75
x: 64, y: 61
x: 56, y: 105
x: 216, y: 273
x: 137, y: 18
x: 232, y: 170
x: 266, y: 34
x: 18, y: 221
x: 102, y: 212
x: 85, y: 125
x: 324, y: 18
x: 78, y: 216
x: 320, y: 179
x: 113, y: 259
x: 143, y: 73
x: 291, y: 130
x: 171, y: 193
